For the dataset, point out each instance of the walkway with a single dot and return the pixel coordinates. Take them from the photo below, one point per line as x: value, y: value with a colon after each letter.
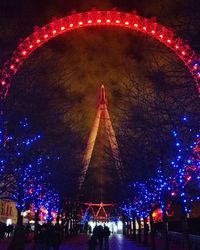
x: 117, y: 242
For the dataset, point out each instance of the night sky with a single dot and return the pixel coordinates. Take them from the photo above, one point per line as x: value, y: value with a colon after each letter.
x: 58, y: 86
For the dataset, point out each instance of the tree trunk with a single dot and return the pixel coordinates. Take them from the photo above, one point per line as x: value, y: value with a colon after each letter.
x: 139, y: 230
x: 36, y: 221
x: 186, y: 244
x: 165, y: 229
x: 134, y: 229
x: 19, y: 217
x: 145, y: 232
x: 153, y: 243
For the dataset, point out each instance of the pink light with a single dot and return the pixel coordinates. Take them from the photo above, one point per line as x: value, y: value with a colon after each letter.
x: 177, y: 47
x: 172, y: 193
x: 117, y: 21
x: 183, y: 52
x: 127, y: 23
x: 62, y: 28
x: 108, y: 20
x: 144, y: 28
x: 3, y: 83
x: 31, y: 46
x: 17, y: 60
x: 169, y: 41
x: 80, y: 23
x: 136, y: 25
x: 24, y: 52
x: 12, y: 66
x: 189, y: 178
x: 89, y: 21
x: 153, y: 31
x: 98, y: 21
x: 38, y: 40
x: 71, y: 25
x: 46, y: 36
x: 54, y: 32
x: 161, y: 36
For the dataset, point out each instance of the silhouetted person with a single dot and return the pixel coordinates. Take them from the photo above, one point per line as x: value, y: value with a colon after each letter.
x: 92, y: 243
x: 100, y: 236
x: 18, y: 240
x: 2, y: 230
x: 106, y: 234
x: 56, y: 237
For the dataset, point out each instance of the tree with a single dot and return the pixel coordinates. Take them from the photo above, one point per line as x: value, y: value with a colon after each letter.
x: 26, y: 162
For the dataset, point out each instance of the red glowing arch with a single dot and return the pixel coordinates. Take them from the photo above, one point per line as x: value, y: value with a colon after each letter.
x: 97, y: 18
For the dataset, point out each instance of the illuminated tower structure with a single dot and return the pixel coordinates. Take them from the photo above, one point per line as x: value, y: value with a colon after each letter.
x: 102, y: 114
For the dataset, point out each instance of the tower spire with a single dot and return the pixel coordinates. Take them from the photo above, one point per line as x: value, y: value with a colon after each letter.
x: 102, y: 96
x: 102, y: 113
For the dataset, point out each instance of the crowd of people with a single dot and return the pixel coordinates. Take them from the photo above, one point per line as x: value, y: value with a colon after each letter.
x: 99, y: 238
x: 6, y: 231
x: 50, y: 236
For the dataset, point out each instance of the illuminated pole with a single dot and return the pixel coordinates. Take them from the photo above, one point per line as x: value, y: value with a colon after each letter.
x: 102, y: 113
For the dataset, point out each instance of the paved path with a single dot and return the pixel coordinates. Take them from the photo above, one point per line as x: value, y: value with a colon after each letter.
x: 117, y: 242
